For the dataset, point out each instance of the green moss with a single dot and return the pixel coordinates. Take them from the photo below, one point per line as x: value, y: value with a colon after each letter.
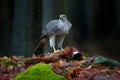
x: 39, y: 72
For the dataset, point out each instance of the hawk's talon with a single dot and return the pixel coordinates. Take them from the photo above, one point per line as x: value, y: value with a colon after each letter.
x: 55, y: 49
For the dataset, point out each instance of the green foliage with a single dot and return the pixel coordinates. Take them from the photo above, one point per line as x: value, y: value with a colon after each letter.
x: 39, y: 72
x: 8, y: 63
x: 84, y: 57
x: 3, y: 61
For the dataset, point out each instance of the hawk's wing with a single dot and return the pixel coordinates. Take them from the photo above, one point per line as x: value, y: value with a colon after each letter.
x: 50, y: 29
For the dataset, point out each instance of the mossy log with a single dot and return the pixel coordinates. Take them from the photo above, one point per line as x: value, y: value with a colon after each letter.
x: 106, y: 61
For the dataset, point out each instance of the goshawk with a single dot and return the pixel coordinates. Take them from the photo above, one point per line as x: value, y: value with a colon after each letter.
x: 58, y: 28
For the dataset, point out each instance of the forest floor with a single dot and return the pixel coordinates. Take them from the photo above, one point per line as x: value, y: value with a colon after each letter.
x: 83, y: 69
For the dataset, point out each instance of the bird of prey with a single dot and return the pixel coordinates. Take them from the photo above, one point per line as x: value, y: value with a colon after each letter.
x: 58, y: 28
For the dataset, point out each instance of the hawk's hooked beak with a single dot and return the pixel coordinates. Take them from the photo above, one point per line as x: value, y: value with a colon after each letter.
x: 63, y: 17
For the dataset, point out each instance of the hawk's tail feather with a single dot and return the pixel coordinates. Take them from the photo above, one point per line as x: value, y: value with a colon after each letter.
x: 40, y: 47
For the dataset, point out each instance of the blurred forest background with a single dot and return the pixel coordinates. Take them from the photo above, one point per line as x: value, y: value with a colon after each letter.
x: 95, y: 30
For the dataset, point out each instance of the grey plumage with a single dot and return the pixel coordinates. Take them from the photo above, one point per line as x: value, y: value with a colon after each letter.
x: 56, y: 28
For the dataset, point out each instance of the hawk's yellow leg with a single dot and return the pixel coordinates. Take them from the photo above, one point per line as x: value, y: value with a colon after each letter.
x: 55, y: 49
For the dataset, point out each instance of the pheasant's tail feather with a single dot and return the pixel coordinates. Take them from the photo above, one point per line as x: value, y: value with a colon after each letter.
x: 40, y: 47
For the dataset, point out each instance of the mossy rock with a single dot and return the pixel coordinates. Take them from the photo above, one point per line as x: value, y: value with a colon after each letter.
x: 40, y: 71
x: 106, y: 61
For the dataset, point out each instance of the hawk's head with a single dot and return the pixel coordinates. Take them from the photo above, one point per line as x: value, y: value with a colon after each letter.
x: 63, y: 17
